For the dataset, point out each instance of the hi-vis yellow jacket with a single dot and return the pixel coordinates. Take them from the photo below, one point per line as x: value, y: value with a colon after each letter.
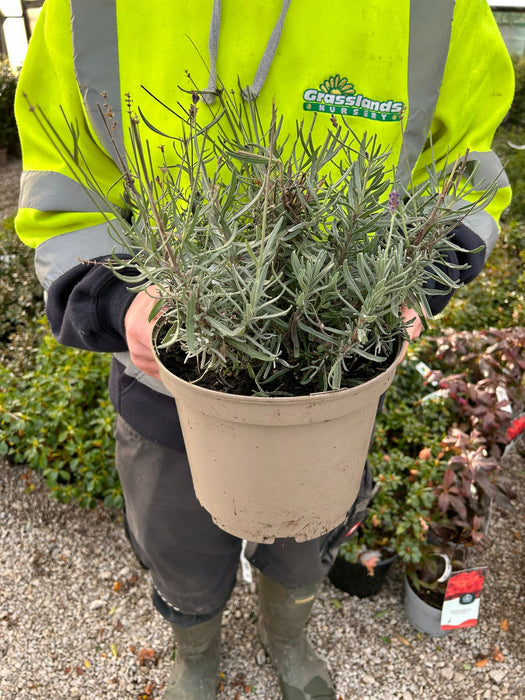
x: 441, y: 65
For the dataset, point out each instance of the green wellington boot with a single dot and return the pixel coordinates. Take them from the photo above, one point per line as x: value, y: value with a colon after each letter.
x: 194, y: 672
x: 283, y: 615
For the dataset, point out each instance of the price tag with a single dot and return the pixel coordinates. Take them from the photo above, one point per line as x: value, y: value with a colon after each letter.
x: 424, y: 370
x: 462, y: 597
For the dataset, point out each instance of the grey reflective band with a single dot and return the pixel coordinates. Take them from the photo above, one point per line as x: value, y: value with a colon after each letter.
x: 59, y: 254
x: 488, y: 170
x: 125, y: 359
x: 95, y: 54
x: 48, y: 191
x: 429, y: 40
x: 484, y: 226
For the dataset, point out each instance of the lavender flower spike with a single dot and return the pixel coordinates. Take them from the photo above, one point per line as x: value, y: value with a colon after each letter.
x: 393, y: 201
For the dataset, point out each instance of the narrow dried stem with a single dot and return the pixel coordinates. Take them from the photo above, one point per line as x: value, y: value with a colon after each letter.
x: 456, y: 174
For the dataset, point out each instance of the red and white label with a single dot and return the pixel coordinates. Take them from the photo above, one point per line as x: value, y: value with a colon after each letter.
x: 462, y: 597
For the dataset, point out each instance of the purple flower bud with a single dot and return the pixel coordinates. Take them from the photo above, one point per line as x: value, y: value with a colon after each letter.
x: 393, y: 201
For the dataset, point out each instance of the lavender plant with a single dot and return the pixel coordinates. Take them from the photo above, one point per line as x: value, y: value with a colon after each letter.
x: 273, y: 258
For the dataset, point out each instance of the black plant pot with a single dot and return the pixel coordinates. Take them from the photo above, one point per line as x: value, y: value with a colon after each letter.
x: 353, y: 577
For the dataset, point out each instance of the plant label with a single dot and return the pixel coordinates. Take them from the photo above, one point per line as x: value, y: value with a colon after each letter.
x: 462, y: 597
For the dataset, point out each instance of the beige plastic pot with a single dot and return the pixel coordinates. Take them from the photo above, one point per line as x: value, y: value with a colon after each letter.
x: 267, y: 467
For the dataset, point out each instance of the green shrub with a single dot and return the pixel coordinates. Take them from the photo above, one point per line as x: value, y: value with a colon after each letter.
x: 21, y: 300
x: 408, y: 423
x: 55, y: 413
x: 496, y: 298
x: 399, y: 514
x: 409, y: 511
x: 58, y: 419
x: 508, y: 143
x: 516, y: 116
x: 8, y: 83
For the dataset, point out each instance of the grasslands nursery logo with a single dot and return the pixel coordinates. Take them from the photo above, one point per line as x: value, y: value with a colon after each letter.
x: 336, y: 95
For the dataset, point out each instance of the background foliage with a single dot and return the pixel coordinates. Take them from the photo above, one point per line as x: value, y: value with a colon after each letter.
x: 8, y: 83
x: 55, y: 413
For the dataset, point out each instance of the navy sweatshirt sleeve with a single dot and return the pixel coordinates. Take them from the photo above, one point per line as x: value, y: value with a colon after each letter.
x: 469, y: 241
x: 86, y: 308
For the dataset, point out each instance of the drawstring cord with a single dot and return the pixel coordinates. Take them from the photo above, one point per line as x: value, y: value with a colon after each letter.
x: 213, y: 49
x: 250, y: 92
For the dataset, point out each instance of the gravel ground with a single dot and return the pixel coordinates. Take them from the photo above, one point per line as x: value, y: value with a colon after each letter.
x: 76, y: 619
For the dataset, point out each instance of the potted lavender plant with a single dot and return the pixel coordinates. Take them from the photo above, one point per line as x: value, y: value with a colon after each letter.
x: 280, y: 267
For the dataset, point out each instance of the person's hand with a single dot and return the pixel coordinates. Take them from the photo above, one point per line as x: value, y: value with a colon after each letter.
x: 138, y: 331
x: 414, y: 330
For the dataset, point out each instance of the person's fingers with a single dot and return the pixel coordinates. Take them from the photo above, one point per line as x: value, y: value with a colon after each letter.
x: 414, y: 329
x: 416, y: 325
x: 138, y: 332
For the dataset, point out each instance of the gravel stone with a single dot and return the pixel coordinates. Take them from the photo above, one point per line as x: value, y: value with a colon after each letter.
x: 447, y: 673
x: 497, y: 675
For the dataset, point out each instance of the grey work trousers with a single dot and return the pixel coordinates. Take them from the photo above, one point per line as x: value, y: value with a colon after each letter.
x: 193, y: 563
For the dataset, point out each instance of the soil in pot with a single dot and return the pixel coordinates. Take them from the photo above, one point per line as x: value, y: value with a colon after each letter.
x: 433, y: 597
x: 241, y: 383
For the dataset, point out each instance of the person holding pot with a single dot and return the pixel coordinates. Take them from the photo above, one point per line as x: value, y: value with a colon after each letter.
x: 430, y: 79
